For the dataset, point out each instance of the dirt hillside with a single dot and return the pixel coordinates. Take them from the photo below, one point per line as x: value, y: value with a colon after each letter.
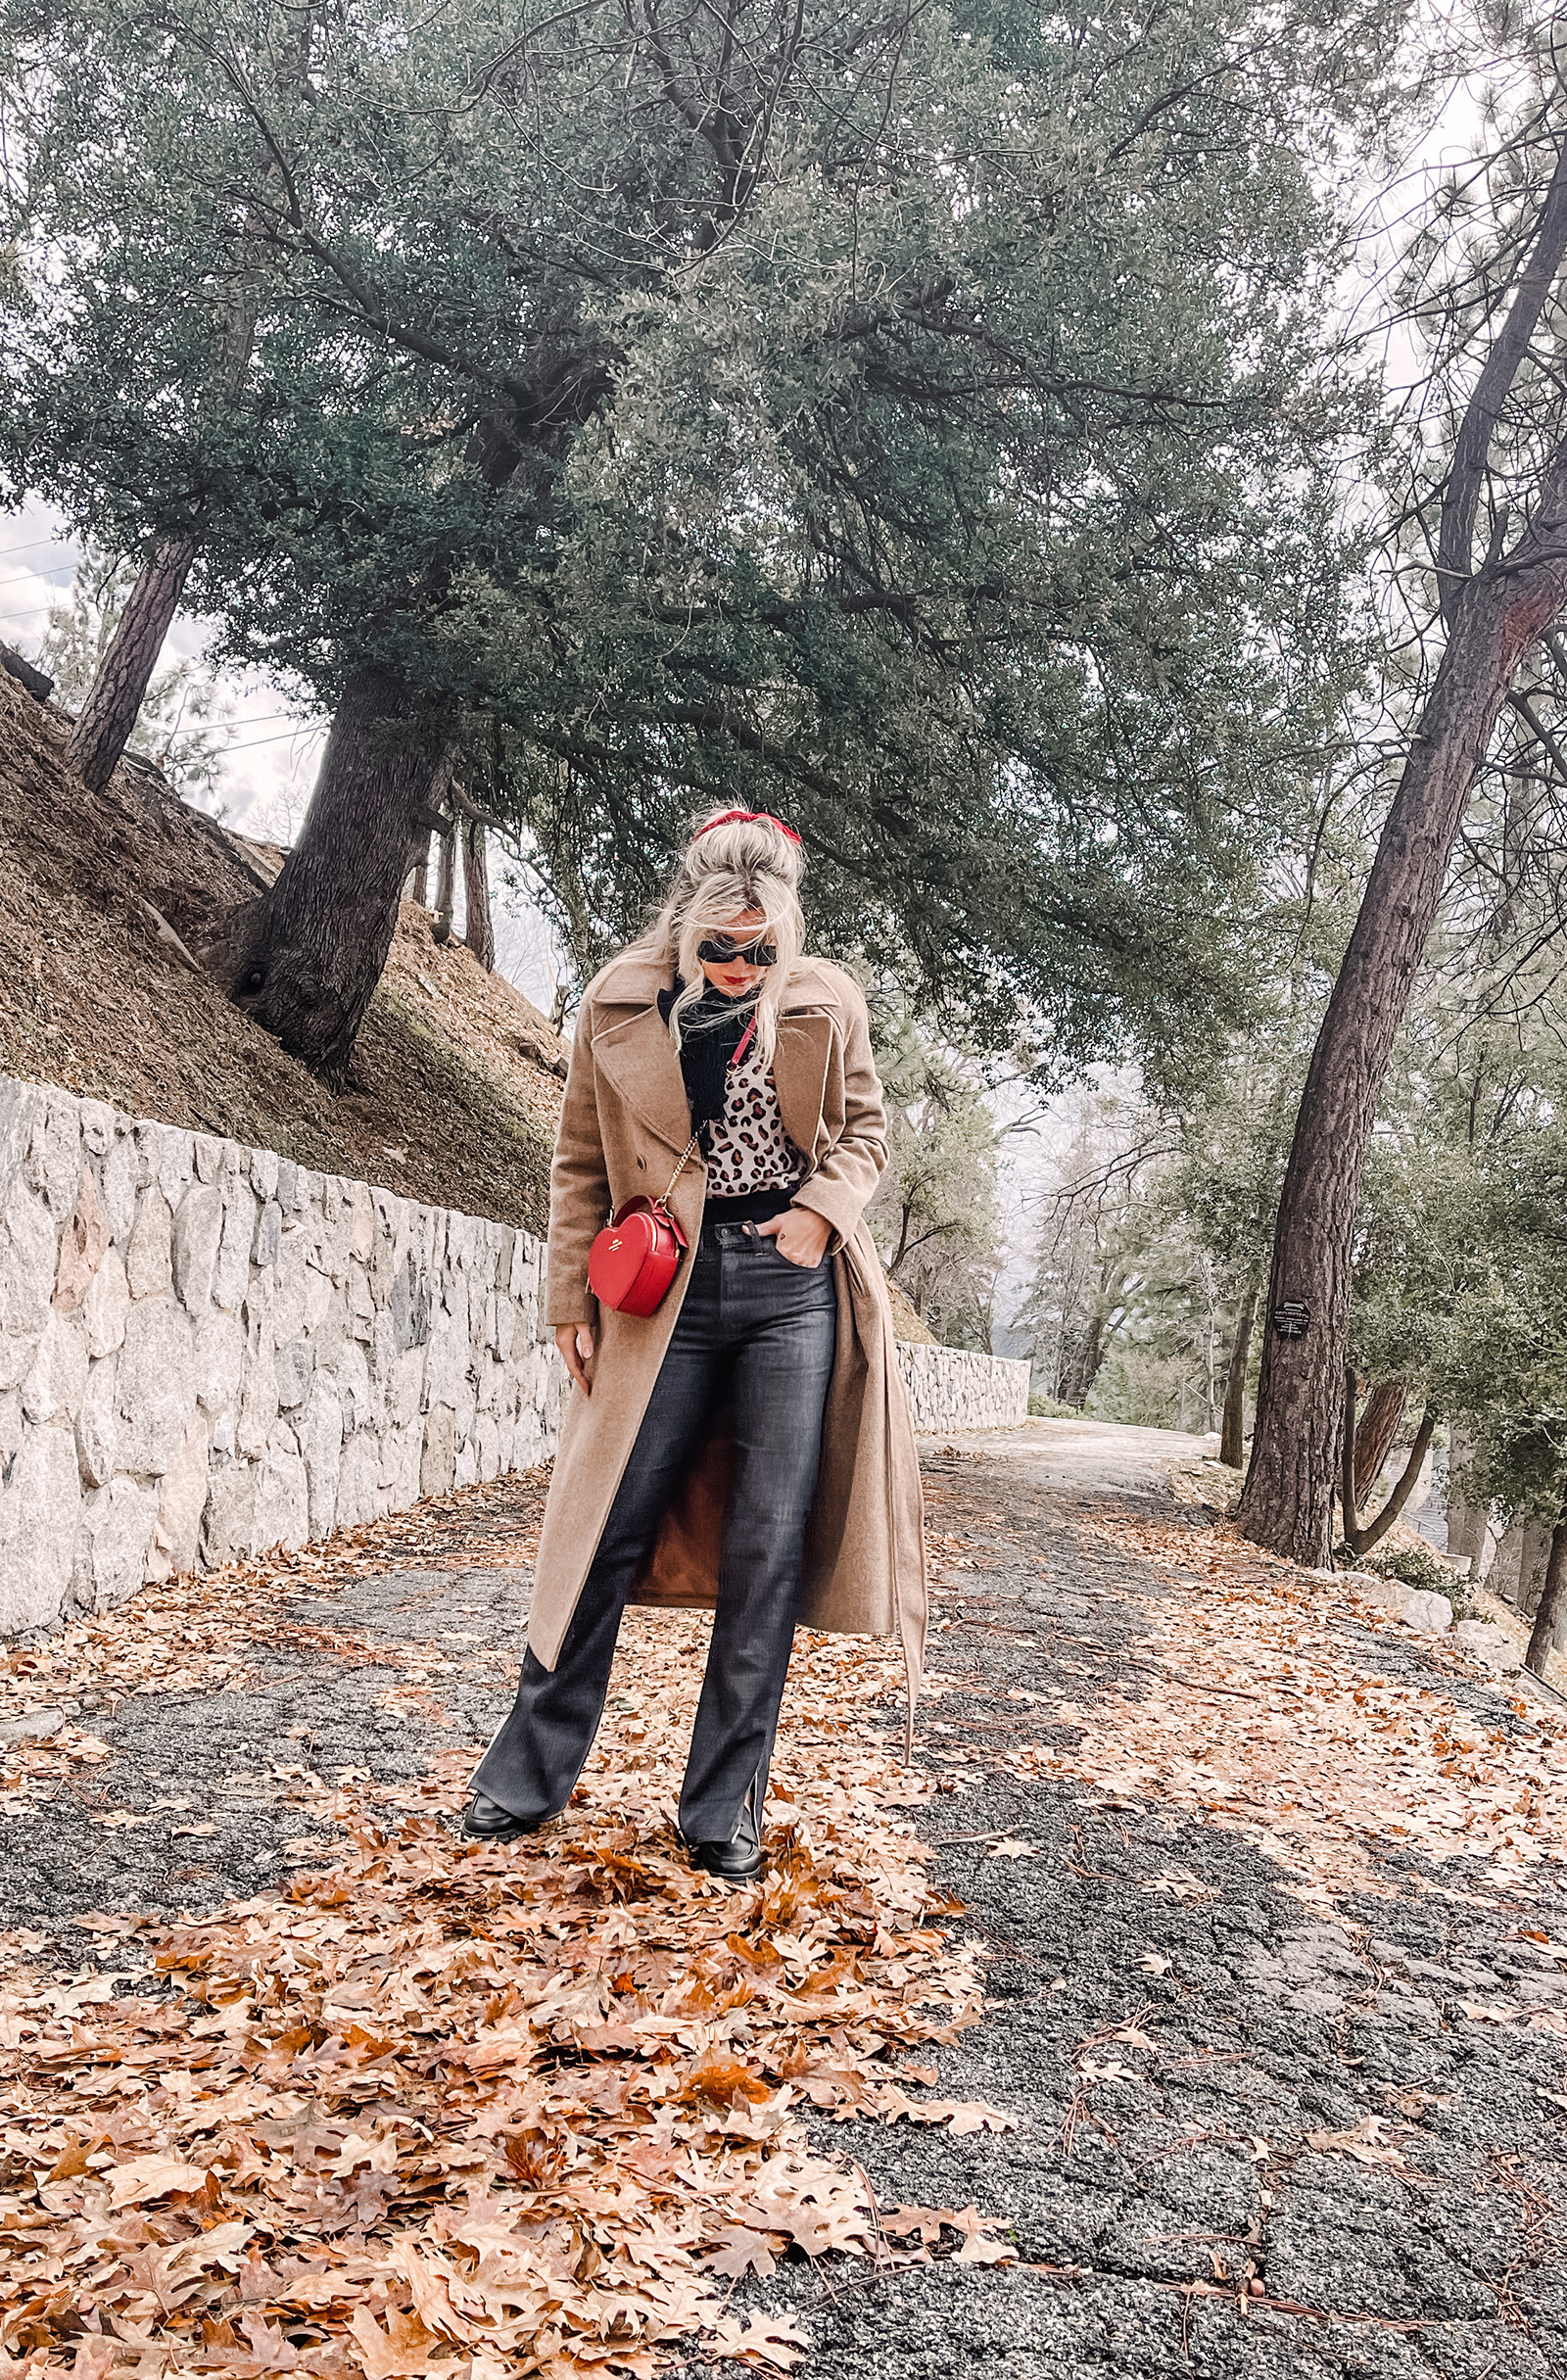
x: 454, y: 1088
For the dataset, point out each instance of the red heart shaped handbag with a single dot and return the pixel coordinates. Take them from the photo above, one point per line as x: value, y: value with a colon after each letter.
x: 637, y: 1255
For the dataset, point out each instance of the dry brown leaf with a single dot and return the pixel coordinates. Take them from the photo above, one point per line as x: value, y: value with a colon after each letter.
x: 144, y: 2178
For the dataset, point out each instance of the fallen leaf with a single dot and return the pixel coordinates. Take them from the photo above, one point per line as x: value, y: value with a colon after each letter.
x: 1364, y: 2143
x: 144, y: 2178
x: 773, y: 2339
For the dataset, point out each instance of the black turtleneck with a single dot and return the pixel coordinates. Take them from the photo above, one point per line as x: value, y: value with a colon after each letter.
x: 711, y: 1031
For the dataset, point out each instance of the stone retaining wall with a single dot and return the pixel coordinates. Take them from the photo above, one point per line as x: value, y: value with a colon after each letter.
x: 205, y: 1350
x: 950, y: 1388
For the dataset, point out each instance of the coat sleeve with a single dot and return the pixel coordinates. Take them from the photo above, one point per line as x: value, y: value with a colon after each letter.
x: 845, y: 1180
x: 579, y: 1185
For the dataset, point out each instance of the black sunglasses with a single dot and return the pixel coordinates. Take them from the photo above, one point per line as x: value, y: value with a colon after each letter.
x: 721, y: 949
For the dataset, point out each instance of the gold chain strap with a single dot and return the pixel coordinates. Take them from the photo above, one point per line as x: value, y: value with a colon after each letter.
x: 680, y: 1169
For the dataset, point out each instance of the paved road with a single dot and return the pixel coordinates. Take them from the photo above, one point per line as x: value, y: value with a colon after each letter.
x: 1084, y: 1455
x: 1266, y: 2128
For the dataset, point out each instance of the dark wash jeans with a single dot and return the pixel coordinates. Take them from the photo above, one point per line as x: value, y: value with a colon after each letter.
x: 758, y: 1333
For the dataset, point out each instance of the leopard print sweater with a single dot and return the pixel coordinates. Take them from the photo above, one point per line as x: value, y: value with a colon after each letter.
x: 748, y: 1149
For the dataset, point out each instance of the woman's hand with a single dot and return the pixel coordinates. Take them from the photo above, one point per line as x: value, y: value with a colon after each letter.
x: 576, y: 1343
x: 801, y: 1236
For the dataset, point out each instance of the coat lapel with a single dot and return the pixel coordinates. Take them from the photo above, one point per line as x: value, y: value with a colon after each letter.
x: 799, y: 1071
x: 639, y: 1060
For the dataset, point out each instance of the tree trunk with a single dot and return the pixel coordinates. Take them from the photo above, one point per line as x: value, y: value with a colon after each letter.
x: 306, y: 957
x: 1362, y: 1539
x: 1467, y: 1524
x: 419, y: 879
x: 1376, y: 1432
x: 479, y: 931
x: 1552, y: 1602
x: 115, y: 698
x: 1492, y: 618
x: 1087, y: 1356
x: 445, y: 883
x: 1232, y: 1436
x: 1288, y: 1499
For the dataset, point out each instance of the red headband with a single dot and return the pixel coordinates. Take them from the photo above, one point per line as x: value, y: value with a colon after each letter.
x: 745, y: 818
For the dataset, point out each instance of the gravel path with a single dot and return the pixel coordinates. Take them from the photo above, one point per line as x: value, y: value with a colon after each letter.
x: 1260, y: 2129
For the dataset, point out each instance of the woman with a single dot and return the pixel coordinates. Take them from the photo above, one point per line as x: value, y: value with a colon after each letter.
x: 748, y: 1446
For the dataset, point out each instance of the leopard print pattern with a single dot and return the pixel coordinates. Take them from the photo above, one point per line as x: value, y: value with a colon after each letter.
x: 748, y: 1149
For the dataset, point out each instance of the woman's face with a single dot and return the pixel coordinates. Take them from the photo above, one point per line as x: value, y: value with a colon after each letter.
x: 731, y: 976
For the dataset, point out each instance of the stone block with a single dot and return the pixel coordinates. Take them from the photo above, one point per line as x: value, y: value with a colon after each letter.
x: 117, y: 1528
x: 174, y: 1162
x: 55, y: 1385
x: 107, y: 1305
x: 321, y: 1433
x: 268, y: 1234
x: 359, y: 1482
x: 40, y: 1514
x: 98, y: 1426
x: 402, y: 1455
x: 82, y: 1246
x: 508, y: 1335
x: 319, y: 1293
x: 156, y: 1391
x: 1489, y: 1643
x: 258, y: 1405
x: 150, y: 1258
x: 288, y: 1184
x: 96, y: 1126
x: 409, y: 1302
x: 438, y: 1457
x: 228, y: 1520
x: 264, y: 1172
x: 352, y: 1376
x: 1417, y: 1606
x: 292, y: 1270
x: 177, y: 1532
x: 54, y: 1160
x: 197, y: 1233
x: 364, y: 1236
x: 207, y: 1156
x: 121, y: 1169
x: 282, y: 1495
x: 12, y: 1426
x: 218, y: 1361
x: 27, y: 1283
x: 296, y: 1364
x: 232, y: 1272
x: 21, y: 1104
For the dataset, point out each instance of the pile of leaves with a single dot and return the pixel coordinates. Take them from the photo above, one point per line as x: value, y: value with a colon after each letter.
x: 452, y: 2108
x: 1245, y: 1701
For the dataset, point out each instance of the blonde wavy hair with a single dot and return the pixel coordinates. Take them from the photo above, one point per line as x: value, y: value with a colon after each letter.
x: 745, y: 864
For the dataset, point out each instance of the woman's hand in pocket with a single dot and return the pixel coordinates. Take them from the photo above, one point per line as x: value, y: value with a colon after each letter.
x: 576, y: 1343
x: 801, y: 1236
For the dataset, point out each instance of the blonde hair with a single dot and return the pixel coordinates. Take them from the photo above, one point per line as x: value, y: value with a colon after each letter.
x: 745, y: 864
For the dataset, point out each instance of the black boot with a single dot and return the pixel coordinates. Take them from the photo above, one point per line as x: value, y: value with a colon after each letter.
x: 486, y: 1822
x: 732, y: 1863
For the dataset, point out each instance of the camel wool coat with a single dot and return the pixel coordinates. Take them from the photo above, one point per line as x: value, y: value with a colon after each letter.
x: 624, y: 1123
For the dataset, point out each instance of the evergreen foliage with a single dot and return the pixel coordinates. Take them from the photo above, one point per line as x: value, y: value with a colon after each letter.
x: 914, y: 421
